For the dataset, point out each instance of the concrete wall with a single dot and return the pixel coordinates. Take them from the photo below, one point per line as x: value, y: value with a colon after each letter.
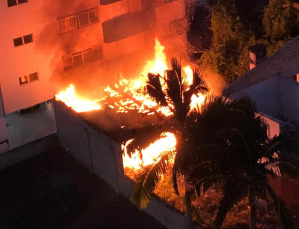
x: 289, y: 99
x: 276, y: 97
x: 103, y: 156
x: 99, y: 153
x: 265, y: 95
x: 19, y: 61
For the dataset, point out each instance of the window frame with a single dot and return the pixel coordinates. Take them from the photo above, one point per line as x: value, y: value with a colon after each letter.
x: 23, y: 40
x: 28, y: 78
x: 77, y: 18
x: 71, y: 57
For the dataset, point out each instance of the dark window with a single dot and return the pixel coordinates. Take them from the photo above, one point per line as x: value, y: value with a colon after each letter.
x: 78, y: 60
x: 83, y: 19
x: 23, y: 80
x: 23, y: 40
x: 88, y: 56
x: 11, y: 2
x: 27, y: 79
x: 106, y: 2
x: 93, y: 16
x: 15, y: 2
x: 28, y: 38
x: 98, y: 53
x: 67, y: 63
x: 18, y: 41
x: 33, y: 76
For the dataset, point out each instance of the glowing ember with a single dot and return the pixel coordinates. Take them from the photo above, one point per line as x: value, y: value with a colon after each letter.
x: 71, y: 99
x: 151, y: 154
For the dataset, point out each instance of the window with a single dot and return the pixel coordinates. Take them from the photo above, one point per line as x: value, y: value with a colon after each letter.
x: 23, y: 40
x: 83, y: 57
x: 107, y: 2
x: 28, y: 79
x: 15, y: 2
x: 78, y: 20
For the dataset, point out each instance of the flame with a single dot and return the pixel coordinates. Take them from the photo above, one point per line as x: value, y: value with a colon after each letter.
x: 126, y: 95
x: 151, y: 154
x: 71, y: 99
x: 159, y: 65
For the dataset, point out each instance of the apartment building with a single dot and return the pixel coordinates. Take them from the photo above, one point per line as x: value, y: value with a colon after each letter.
x: 47, y: 44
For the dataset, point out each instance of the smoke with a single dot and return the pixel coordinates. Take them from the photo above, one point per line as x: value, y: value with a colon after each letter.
x: 90, y: 79
x: 215, y: 82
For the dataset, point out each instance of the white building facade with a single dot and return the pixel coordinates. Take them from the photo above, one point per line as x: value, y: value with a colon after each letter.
x: 46, y: 45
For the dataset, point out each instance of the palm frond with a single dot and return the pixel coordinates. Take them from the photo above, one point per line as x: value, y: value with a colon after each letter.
x: 154, y: 89
x: 176, y: 65
x: 199, y: 84
x: 284, y: 215
x: 147, y: 181
x: 209, y: 181
x: 174, y: 92
x: 234, y: 192
x: 144, y: 136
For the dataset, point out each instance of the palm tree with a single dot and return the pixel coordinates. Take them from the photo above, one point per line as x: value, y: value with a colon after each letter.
x: 227, y: 144
x: 178, y: 98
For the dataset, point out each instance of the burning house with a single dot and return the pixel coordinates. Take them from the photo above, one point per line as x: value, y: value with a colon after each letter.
x: 84, y: 43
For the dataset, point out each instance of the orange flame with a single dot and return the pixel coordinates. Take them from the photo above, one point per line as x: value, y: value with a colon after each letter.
x: 151, y: 154
x: 126, y: 95
x: 71, y: 99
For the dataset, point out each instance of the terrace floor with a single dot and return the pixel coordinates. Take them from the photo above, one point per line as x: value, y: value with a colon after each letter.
x: 53, y: 190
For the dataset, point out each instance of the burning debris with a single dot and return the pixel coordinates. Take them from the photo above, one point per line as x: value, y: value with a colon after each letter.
x: 127, y: 99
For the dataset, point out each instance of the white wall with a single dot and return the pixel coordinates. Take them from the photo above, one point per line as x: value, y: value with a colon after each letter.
x: 289, y: 99
x: 265, y: 95
x: 18, y: 61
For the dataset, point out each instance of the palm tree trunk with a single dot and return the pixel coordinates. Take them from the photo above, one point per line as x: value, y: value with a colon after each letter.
x: 252, y: 217
x: 188, y: 209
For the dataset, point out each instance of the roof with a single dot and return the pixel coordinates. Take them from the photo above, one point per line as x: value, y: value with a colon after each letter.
x: 284, y: 62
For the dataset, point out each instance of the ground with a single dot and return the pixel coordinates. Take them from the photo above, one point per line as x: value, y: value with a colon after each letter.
x: 53, y: 190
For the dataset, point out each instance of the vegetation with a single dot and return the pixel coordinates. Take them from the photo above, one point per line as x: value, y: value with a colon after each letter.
x: 236, y: 25
x: 222, y: 145
x: 226, y: 146
x: 178, y: 98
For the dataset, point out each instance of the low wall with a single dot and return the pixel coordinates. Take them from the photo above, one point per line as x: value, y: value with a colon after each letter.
x: 103, y: 156
x: 31, y: 149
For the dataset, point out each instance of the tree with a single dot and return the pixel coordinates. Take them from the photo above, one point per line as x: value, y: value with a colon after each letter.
x: 229, y: 40
x: 280, y: 23
x: 227, y: 145
x: 236, y: 25
x: 178, y: 98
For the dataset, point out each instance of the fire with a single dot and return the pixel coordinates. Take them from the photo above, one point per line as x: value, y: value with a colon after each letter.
x: 127, y: 95
x: 159, y: 65
x: 71, y: 99
x: 151, y: 154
